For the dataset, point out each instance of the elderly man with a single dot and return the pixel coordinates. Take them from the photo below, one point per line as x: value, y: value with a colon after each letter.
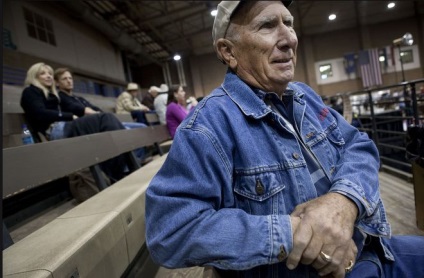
x: 149, y: 98
x: 127, y: 103
x: 263, y: 179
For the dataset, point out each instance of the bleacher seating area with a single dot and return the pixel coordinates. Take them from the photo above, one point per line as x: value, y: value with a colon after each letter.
x: 104, y: 235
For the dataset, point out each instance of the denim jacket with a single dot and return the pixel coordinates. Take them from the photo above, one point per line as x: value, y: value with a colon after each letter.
x: 234, y: 174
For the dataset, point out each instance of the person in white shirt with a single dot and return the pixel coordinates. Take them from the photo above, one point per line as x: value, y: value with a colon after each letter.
x: 160, y: 103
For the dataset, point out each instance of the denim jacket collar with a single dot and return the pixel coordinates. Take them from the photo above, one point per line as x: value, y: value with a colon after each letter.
x: 251, y: 101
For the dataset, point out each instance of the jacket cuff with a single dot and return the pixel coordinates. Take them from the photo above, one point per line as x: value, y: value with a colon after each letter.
x: 355, y: 193
x: 282, y: 238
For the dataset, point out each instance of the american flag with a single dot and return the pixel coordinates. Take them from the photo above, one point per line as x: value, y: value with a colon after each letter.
x: 370, y: 67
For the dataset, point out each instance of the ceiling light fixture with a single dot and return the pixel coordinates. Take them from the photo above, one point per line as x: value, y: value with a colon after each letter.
x: 406, y: 40
x: 332, y: 17
x: 177, y: 57
x: 214, y: 12
x: 391, y: 5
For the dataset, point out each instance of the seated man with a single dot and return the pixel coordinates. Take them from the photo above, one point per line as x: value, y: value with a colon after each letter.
x: 65, y: 84
x: 160, y: 103
x: 149, y: 98
x: 76, y: 104
x: 263, y: 179
x: 127, y: 103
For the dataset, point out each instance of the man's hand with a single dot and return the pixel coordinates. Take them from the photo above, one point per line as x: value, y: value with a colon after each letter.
x: 144, y: 108
x: 192, y: 101
x: 339, y: 272
x: 326, y: 225
x: 89, y: 111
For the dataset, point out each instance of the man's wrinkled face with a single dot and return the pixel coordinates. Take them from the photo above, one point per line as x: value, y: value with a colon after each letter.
x: 265, y: 45
x: 65, y: 82
x: 134, y: 93
x: 154, y: 93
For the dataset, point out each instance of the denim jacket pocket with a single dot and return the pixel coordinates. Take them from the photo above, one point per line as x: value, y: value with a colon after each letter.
x: 327, y: 144
x: 315, y: 137
x: 258, y: 193
x: 334, y: 135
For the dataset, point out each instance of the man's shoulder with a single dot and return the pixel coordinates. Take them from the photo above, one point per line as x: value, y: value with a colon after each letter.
x: 298, y: 84
x: 62, y: 94
x: 215, y: 104
x: 123, y: 95
x: 161, y: 96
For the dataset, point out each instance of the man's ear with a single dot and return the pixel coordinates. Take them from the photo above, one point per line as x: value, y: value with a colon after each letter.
x: 224, y: 49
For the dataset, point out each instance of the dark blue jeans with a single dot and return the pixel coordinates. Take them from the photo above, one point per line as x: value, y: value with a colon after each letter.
x: 139, y: 116
x: 140, y: 152
x: 408, y: 252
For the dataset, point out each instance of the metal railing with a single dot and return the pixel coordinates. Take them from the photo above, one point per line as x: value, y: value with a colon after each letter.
x: 385, y: 113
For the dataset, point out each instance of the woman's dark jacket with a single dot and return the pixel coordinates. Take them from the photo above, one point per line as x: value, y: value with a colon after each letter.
x: 41, y: 112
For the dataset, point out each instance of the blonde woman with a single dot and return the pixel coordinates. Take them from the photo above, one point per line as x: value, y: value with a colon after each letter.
x: 41, y: 103
x: 44, y: 113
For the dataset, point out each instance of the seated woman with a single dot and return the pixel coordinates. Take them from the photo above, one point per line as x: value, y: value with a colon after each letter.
x: 44, y: 113
x: 176, y: 110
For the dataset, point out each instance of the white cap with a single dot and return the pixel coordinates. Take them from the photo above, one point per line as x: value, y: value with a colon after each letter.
x: 154, y: 88
x: 164, y: 88
x: 225, y: 10
x: 132, y: 87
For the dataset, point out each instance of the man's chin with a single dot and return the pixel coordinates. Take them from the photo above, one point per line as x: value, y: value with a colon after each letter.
x: 286, y: 78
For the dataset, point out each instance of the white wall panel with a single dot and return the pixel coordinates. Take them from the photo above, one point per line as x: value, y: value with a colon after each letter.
x: 78, y: 46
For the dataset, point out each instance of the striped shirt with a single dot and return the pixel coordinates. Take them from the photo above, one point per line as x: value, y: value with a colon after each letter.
x: 285, y: 110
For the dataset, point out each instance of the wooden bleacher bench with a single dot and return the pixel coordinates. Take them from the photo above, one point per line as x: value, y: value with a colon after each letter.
x: 12, y: 128
x: 125, y: 117
x: 101, y: 236
x: 13, y: 114
x: 152, y: 118
x: 98, y: 238
x: 44, y: 162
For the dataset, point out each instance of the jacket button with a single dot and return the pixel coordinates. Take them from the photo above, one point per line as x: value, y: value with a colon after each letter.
x: 282, y: 255
x: 310, y: 134
x: 296, y: 155
x: 259, y: 188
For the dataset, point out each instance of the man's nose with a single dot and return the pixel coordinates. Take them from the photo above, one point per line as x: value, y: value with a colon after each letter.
x: 287, y: 38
